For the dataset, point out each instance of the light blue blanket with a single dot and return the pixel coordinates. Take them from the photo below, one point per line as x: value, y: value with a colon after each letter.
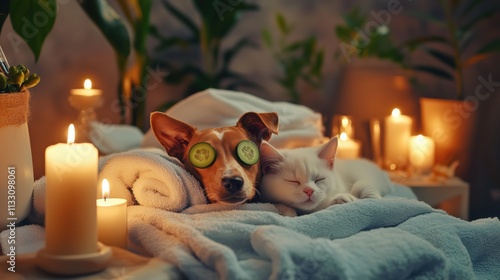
x: 391, y: 238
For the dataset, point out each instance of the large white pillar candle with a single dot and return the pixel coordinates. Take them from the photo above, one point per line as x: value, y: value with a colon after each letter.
x: 111, y: 219
x: 396, y: 138
x: 421, y: 153
x: 70, y: 205
x: 347, y: 148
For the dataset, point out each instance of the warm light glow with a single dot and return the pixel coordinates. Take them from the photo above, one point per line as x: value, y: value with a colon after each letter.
x: 71, y: 134
x: 420, y: 138
x: 105, y: 188
x: 343, y: 136
x: 345, y: 121
x: 87, y: 84
x: 396, y: 112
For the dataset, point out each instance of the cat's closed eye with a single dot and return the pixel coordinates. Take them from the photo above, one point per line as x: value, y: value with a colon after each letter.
x: 318, y: 180
x: 295, y: 182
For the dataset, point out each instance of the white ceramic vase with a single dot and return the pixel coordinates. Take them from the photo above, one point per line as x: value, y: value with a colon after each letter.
x: 16, y: 165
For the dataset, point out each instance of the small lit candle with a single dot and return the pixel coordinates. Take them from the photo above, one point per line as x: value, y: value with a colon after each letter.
x: 396, y: 137
x: 70, y: 206
x: 111, y: 219
x: 421, y: 153
x: 347, y: 147
x: 87, y: 89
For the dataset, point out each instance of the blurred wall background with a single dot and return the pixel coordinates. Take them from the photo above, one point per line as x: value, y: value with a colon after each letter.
x: 365, y: 88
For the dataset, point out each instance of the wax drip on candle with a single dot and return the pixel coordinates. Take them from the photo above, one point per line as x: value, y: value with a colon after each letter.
x: 71, y: 134
x: 105, y: 189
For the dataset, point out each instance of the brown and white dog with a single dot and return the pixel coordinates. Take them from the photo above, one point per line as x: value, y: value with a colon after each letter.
x: 227, y: 180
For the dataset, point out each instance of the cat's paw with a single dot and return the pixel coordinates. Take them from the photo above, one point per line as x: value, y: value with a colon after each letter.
x: 342, y: 198
x: 285, y: 210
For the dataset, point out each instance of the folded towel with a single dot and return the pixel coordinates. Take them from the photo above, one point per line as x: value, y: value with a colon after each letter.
x: 114, y: 138
x: 28, y: 239
x: 146, y: 177
x: 150, y: 177
x: 299, y: 126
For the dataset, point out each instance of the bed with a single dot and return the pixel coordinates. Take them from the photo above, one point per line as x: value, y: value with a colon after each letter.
x: 174, y: 233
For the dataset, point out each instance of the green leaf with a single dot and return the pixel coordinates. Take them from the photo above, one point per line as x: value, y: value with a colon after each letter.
x: 414, y: 43
x: 481, y: 16
x: 110, y: 24
x: 318, y: 63
x: 182, y: 18
x: 434, y: 71
x: 230, y: 53
x: 441, y: 56
x: 282, y: 25
x: 267, y: 38
x: 428, y: 17
x: 25, y: 17
x: 493, y: 46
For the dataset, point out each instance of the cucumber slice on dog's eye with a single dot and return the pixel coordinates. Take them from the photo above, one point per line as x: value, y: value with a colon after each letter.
x: 248, y: 152
x: 202, y: 155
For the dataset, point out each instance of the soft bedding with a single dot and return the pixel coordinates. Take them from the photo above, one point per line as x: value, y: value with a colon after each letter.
x: 390, y: 238
x: 396, y: 237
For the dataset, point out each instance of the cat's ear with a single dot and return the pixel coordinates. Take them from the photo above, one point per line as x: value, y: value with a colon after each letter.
x: 270, y: 158
x: 328, y: 151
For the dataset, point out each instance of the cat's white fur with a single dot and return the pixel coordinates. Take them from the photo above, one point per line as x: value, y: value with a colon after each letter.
x: 290, y: 174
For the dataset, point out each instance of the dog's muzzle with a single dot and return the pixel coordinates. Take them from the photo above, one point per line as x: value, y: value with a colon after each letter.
x: 232, y: 184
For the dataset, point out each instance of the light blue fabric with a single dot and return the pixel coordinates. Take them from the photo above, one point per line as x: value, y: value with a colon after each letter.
x: 391, y: 238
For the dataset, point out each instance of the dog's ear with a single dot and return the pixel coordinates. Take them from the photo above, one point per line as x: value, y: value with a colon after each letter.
x: 173, y: 134
x: 259, y: 125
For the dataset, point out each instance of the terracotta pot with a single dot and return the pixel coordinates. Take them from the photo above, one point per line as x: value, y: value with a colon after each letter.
x: 451, y: 123
x: 16, y: 166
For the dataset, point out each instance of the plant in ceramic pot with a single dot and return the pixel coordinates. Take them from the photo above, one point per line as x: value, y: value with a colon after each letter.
x: 450, y: 52
x: 15, y: 149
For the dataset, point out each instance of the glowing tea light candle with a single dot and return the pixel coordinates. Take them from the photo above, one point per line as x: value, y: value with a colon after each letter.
x: 111, y: 219
x: 70, y: 206
x: 396, y: 137
x: 421, y: 153
x: 87, y: 89
x: 347, y: 147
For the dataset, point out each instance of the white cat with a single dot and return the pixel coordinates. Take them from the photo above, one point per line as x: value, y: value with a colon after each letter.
x: 310, y: 179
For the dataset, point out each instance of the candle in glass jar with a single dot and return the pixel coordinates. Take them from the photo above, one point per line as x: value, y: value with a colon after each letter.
x: 396, y: 137
x: 111, y: 219
x: 70, y: 206
x: 421, y: 153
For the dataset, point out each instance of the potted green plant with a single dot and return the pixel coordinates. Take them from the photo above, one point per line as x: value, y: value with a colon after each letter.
x: 15, y: 147
x: 299, y: 60
x: 451, y: 122
x: 450, y: 54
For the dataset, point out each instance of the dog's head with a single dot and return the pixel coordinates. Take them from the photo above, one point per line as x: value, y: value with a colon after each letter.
x: 227, y: 178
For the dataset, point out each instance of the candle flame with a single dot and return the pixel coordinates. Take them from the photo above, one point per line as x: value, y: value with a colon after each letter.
x: 87, y: 84
x: 420, y: 138
x: 343, y: 136
x: 71, y: 134
x: 105, y: 189
x: 345, y: 121
x: 396, y: 112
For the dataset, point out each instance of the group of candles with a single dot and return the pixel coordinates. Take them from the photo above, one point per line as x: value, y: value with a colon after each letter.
x: 399, y: 144
x: 75, y: 220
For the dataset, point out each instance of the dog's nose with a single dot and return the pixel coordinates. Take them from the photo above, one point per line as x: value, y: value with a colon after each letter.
x: 232, y: 184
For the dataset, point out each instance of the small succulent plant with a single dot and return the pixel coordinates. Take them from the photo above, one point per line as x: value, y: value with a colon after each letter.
x: 18, y: 79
